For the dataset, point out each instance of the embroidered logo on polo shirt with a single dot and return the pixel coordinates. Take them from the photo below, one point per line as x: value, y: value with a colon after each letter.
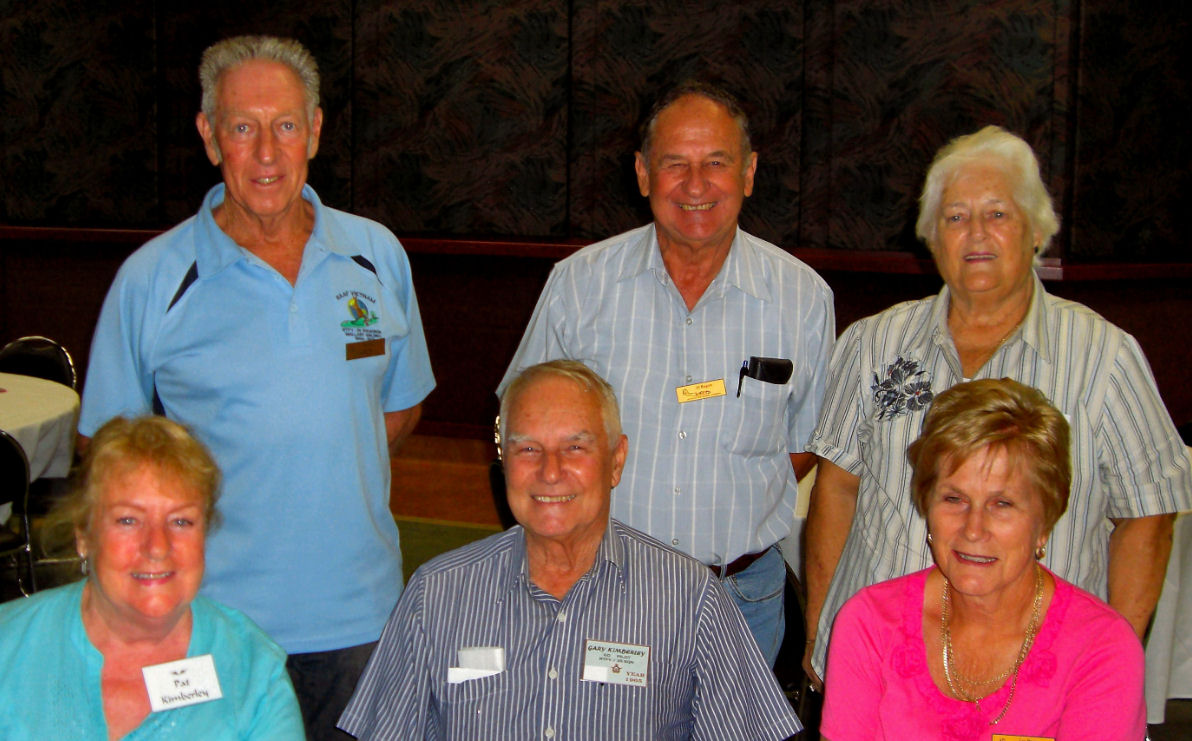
x: 362, y: 317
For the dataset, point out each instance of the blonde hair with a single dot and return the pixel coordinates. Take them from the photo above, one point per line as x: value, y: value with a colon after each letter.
x: 121, y: 446
x: 994, y: 415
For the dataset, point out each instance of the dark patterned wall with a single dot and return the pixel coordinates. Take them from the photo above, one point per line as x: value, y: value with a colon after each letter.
x: 1133, y: 154
x: 897, y: 80
x: 461, y: 116
x: 518, y: 118
x: 78, y: 134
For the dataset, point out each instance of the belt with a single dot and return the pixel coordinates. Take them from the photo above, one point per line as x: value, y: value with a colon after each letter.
x: 738, y: 565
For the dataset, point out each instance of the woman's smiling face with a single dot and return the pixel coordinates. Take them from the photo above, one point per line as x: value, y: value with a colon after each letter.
x: 986, y: 521
x: 145, y: 546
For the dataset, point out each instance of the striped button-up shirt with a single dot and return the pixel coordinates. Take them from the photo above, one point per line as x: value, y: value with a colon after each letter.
x: 1127, y: 458
x: 706, y: 678
x: 711, y: 477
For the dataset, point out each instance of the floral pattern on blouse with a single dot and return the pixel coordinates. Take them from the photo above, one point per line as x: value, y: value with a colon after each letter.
x: 902, y: 389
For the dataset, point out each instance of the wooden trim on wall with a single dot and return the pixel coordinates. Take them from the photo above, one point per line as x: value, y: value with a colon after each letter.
x: 851, y: 261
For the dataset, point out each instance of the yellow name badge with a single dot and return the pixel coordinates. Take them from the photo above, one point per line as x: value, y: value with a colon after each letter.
x: 1007, y: 737
x: 698, y: 391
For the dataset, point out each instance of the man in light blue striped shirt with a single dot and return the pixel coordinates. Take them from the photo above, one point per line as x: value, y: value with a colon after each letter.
x: 717, y: 344
x: 572, y: 625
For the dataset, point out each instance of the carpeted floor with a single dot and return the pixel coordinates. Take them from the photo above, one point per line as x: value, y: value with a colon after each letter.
x: 422, y: 540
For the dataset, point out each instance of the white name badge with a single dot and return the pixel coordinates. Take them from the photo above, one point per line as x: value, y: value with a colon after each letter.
x: 616, y: 663
x: 476, y: 662
x: 176, y: 684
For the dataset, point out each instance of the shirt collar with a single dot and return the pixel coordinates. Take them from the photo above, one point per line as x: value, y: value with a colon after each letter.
x: 215, y: 250
x: 1034, y: 324
x: 610, y: 554
x: 742, y: 269
x: 1033, y: 331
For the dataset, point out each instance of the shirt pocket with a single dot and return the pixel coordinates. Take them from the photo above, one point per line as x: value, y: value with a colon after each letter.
x: 474, y: 694
x: 754, y: 424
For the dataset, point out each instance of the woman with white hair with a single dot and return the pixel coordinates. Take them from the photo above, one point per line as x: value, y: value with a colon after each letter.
x: 985, y: 214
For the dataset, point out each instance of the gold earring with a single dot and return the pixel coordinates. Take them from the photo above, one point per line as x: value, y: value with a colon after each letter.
x: 1041, y: 552
x: 929, y: 541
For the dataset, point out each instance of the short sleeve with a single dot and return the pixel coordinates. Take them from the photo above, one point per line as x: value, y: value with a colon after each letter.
x: 817, y: 330
x: 853, y: 682
x: 1107, y: 700
x: 393, y: 697
x: 736, y: 695
x: 836, y: 436
x: 119, y: 379
x: 1144, y: 464
x: 409, y: 378
x: 277, y: 715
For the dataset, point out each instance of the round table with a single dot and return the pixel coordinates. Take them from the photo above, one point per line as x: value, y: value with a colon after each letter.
x: 41, y: 415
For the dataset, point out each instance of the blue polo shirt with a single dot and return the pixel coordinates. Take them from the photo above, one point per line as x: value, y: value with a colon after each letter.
x: 288, y: 386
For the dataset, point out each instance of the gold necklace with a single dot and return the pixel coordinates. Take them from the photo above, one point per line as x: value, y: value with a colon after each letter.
x: 955, y: 680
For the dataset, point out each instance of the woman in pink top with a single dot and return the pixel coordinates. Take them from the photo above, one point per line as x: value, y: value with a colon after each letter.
x: 987, y: 644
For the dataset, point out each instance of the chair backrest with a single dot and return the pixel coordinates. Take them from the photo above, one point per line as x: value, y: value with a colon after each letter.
x: 14, y: 473
x: 40, y: 357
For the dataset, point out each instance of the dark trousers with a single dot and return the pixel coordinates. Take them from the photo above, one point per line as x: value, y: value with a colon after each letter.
x: 324, y: 682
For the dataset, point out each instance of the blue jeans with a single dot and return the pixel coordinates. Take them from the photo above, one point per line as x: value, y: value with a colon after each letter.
x: 758, y: 593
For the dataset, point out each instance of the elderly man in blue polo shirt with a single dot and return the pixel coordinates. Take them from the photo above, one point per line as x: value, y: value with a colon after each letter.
x: 287, y: 336
x: 717, y: 344
x: 571, y: 625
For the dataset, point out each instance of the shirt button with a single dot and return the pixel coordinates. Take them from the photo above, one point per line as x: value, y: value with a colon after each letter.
x: 674, y: 541
x: 688, y: 379
x: 552, y: 673
x: 682, y: 435
x: 561, y: 617
x: 688, y: 321
x: 676, y: 490
x: 549, y: 732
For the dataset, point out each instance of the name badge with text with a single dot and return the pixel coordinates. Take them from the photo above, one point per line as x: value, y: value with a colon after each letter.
x: 616, y: 663
x: 176, y: 684
x: 699, y: 391
x: 365, y: 349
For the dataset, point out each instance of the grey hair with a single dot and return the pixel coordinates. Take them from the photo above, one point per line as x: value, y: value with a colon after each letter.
x: 224, y: 55
x: 995, y: 146
x: 572, y: 370
x: 707, y: 90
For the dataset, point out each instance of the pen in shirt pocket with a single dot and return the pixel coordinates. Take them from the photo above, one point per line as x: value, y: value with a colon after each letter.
x: 767, y: 370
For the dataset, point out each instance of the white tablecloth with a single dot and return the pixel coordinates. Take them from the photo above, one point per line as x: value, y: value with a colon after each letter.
x: 42, y: 416
x: 1169, y: 646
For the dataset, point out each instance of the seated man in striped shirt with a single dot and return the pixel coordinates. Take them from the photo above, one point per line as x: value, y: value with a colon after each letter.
x: 572, y: 624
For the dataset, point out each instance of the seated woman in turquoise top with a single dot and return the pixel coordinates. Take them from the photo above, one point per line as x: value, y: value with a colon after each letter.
x: 86, y: 660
